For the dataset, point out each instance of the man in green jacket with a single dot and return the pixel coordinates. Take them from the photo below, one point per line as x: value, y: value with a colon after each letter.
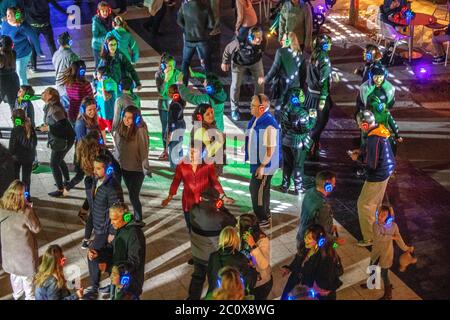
x: 295, y: 16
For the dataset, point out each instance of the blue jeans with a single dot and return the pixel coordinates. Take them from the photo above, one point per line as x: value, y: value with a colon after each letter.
x: 175, y: 152
x: 188, y: 52
x: 21, y: 68
x: 97, y: 57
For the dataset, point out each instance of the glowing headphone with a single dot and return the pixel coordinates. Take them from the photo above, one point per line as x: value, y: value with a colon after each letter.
x: 295, y: 100
x: 18, y: 122
x: 82, y: 108
x: 325, y: 46
x: 82, y: 72
x: 127, y: 216
x: 176, y: 97
x: 209, y: 89
x: 101, y: 141
x: 26, y: 195
x: 62, y: 261
x: 109, y: 170
x: 368, y: 56
x: 199, y: 117
x: 18, y: 14
x: 287, y: 42
x: 250, y: 37
x: 321, y: 241
x: 125, y: 279
x: 328, y: 187
x: 26, y: 97
x: 119, y: 87
x: 137, y: 120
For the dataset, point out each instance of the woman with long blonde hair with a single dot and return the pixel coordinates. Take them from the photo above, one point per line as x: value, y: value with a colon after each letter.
x: 229, y: 255
x: 229, y: 285
x: 50, y: 281
x: 19, y: 224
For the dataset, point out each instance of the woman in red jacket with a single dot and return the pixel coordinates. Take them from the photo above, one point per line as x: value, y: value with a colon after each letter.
x: 197, y: 177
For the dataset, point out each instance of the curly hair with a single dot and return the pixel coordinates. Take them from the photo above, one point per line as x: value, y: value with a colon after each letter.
x: 87, y: 150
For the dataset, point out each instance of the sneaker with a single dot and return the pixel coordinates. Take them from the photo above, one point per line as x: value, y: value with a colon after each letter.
x: 57, y: 194
x: 264, y: 223
x: 439, y: 60
x: 282, y: 189
x: 85, y: 244
x: 363, y: 243
x: 235, y: 115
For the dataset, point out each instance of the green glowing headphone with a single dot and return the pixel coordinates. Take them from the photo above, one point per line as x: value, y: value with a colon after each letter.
x: 18, y: 122
x: 127, y: 216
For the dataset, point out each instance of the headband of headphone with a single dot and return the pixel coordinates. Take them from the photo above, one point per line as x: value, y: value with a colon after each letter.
x: 219, y: 281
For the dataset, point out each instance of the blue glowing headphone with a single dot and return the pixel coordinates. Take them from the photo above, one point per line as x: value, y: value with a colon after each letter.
x: 70, y: 43
x: 109, y: 170
x: 325, y: 46
x: 125, y: 279
x: 82, y: 72
x: 26, y: 195
x: 101, y: 141
x: 138, y: 120
x: 82, y: 108
x: 380, y: 107
x: 321, y: 241
x: 295, y: 100
x: 368, y: 56
x: 328, y: 187
x: 209, y: 89
x: 250, y: 37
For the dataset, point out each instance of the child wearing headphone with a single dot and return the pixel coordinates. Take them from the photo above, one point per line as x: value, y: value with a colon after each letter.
x: 175, y: 126
x: 105, y: 91
x: 120, y: 282
x: 385, y: 231
x: 23, y: 101
x: 22, y: 145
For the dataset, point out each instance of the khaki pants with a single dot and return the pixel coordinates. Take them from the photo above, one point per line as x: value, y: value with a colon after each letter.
x: 369, y: 201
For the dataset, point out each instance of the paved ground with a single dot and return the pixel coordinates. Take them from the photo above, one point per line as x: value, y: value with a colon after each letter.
x: 419, y: 192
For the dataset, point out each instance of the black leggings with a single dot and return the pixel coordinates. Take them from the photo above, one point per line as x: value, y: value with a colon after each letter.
x: 26, y: 172
x: 47, y: 31
x: 133, y: 181
x: 59, y: 167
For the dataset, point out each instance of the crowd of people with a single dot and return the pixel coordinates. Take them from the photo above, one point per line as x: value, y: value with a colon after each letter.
x: 232, y: 253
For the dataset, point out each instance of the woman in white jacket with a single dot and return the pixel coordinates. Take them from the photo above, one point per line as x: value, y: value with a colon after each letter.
x: 256, y: 246
x: 19, y: 224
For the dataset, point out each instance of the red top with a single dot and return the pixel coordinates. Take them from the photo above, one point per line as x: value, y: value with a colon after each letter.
x: 194, y: 183
x: 76, y: 92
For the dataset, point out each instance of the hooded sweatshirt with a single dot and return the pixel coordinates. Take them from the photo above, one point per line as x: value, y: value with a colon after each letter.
x: 126, y: 43
x: 380, y: 158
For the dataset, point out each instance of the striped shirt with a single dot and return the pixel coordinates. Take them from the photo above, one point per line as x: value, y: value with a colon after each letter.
x: 76, y: 92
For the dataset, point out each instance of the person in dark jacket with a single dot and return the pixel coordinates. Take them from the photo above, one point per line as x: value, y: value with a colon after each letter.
x: 24, y: 39
x: 316, y: 208
x: 37, y: 14
x: 229, y: 255
x: 196, y: 20
x: 128, y: 247
x: 117, y: 64
x: 175, y: 126
x: 289, y: 67
x: 296, y: 126
x: 106, y: 191
x: 380, y: 163
x: 88, y: 149
x: 207, y: 220
x: 8, y: 75
x: 50, y: 283
x: 7, y: 172
x: 242, y: 56
x: 318, y: 81
x: 61, y: 138
x: 22, y: 146
x: 316, y: 270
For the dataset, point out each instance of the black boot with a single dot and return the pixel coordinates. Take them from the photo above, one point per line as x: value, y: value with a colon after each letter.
x: 284, y: 187
x: 298, y: 182
x: 387, y: 293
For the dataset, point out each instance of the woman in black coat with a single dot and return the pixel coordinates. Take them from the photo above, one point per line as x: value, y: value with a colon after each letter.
x: 8, y: 77
x: 229, y: 255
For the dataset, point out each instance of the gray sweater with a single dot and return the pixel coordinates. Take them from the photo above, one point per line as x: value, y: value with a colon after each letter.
x: 133, y: 154
x: 62, y: 59
x: 19, y: 245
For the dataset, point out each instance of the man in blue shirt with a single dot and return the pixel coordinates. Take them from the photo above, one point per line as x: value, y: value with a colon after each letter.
x: 262, y: 149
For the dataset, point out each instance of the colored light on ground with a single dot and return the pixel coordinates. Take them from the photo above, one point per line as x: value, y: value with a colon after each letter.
x: 423, y: 70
